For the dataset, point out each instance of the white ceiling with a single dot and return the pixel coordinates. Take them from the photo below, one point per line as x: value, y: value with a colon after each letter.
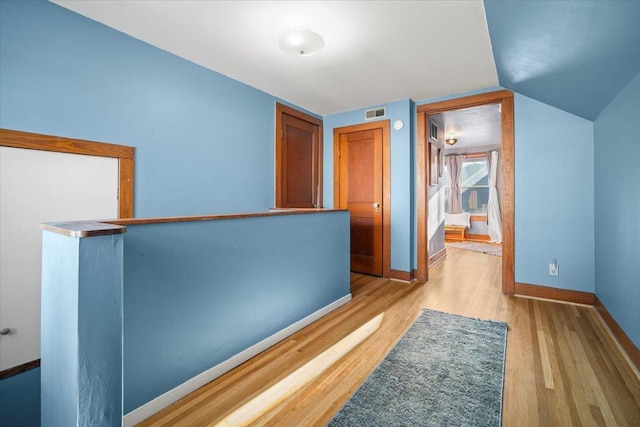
x: 473, y: 127
x: 375, y: 51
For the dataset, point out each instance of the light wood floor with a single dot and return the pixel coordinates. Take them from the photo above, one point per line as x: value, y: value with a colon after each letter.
x: 562, y: 368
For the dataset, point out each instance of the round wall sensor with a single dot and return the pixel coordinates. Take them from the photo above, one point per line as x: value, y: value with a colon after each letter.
x: 397, y: 125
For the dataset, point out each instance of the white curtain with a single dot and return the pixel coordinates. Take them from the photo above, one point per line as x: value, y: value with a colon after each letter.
x: 494, y: 219
x: 454, y: 165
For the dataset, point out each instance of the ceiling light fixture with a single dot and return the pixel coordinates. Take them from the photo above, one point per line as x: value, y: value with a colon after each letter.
x: 301, y: 42
x: 451, y: 140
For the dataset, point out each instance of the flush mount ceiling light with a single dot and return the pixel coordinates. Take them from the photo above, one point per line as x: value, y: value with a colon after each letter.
x: 451, y: 140
x: 301, y: 42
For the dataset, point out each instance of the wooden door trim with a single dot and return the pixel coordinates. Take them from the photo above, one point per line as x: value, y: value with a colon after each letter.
x: 505, y: 98
x: 384, y: 125
x: 124, y: 154
x: 280, y: 110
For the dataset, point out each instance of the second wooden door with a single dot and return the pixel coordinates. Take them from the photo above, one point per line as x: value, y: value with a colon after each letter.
x: 298, y: 159
x: 360, y: 190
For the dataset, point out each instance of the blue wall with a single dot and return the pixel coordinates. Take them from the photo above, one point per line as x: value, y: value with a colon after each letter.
x: 553, y: 194
x: 549, y: 49
x: 402, y: 179
x: 59, y: 341
x: 617, y: 209
x: 197, y: 133
x: 198, y: 293
x: 20, y: 399
x: 81, y: 346
x: 554, y: 199
x: 204, y: 142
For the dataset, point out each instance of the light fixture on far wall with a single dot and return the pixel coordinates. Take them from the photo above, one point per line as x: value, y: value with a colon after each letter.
x: 301, y: 42
x: 451, y: 140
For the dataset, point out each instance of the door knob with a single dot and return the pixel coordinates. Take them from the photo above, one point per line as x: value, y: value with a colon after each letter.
x: 376, y: 205
x: 5, y: 331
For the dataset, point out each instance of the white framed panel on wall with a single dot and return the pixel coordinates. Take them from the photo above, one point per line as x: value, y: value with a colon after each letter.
x: 41, y: 186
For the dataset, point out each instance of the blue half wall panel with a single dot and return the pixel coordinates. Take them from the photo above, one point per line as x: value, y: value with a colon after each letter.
x: 198, y: 293
x: 143, y: 318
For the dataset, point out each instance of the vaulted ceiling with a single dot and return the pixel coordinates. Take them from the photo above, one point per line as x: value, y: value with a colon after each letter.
x: 575, y: 55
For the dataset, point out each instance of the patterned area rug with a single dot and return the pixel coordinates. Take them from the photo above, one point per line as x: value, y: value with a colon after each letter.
x: 447, y: 370
x: 485, y: 248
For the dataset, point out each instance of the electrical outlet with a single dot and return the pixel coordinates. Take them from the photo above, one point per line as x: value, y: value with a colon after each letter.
x: 553, y: 268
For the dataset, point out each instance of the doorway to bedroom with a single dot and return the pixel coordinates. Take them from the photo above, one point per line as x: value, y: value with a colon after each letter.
x: 470, y: 180
x: 465, y: 166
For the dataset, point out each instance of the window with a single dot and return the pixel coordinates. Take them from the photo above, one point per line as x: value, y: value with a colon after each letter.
x: 474, y: 185
x: 434, y: 132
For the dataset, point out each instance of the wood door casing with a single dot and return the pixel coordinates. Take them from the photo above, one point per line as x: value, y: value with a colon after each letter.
x: 298, y: 159
x: 361, y: 181
x: 505, y: 99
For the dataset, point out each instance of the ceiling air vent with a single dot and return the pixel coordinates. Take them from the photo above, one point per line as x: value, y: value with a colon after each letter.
x: 375, y: 113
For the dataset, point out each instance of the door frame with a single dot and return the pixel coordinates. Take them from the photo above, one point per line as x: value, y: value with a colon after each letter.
x: 384, y: 125
x: 505, y: 99
x: 280, y: 110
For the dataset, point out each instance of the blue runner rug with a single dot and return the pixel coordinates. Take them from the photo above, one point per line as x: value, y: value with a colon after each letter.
x: 447, y: 370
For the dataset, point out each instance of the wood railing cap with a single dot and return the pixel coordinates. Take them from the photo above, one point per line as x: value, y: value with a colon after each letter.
x: 117, y: 226
x: 83, y: 228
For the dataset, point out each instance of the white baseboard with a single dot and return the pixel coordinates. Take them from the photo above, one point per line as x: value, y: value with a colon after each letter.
x: 145, y: 411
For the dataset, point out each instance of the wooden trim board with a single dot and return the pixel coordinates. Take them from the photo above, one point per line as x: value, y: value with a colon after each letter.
x: 437, y: 257
x: 80, y: 229
x: 546, y: 292
x: 406, y: 276
x: 273, y: 212
x: 126, y: 172
x: 124, y: 154
x: 19, y: 369
x: 618, y: 333
x: 35, y: 141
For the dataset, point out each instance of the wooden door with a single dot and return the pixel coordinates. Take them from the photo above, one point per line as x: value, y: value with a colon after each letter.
x: 361, y: 191
x: 298, y: 160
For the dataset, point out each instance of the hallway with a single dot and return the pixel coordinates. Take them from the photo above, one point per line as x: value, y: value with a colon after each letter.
x: 561, y: 369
